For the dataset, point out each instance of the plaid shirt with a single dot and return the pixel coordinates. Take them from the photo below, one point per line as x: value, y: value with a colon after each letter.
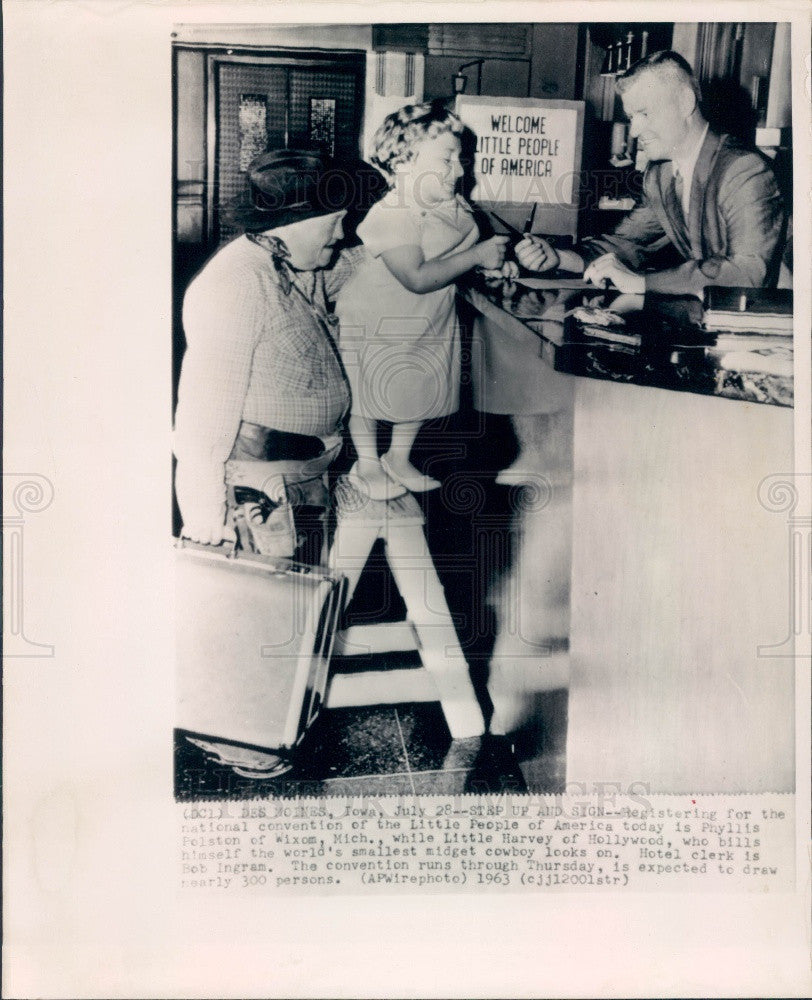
x: 259, y: 348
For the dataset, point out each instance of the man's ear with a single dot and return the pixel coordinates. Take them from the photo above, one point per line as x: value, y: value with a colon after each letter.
x: 687, y: 101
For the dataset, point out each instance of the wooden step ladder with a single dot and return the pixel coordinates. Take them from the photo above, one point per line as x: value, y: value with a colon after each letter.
x: 428, y: 627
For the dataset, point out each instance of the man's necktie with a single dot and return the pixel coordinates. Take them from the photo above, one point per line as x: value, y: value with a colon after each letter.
x: 679, y: 185
x: 677, y: 188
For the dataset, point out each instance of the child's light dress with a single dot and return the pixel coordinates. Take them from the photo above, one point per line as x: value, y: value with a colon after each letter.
x: 401, y: 350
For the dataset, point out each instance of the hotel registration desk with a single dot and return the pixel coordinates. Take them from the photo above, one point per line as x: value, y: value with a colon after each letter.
x: 652, y: 570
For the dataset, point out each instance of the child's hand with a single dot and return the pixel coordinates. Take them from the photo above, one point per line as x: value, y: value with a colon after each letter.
x: 509, y: 271
x: 492, y: 252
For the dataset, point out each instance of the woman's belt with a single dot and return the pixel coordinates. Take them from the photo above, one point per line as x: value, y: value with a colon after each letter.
x: 265, y: 444
x: 296, y: 459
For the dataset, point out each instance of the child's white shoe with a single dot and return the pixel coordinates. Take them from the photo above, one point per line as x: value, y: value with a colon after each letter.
x: 517, y: 475
x: 409, y: 477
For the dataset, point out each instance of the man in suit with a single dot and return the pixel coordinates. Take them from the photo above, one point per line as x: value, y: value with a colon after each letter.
x: 711, y: 211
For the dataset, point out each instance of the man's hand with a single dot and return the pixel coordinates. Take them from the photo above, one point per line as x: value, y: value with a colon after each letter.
x: 609, y: 268
x: 536, y: 254
x: 211, y: 532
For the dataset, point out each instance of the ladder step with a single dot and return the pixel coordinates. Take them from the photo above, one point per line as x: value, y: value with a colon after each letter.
x: 352, y: 507
x: 444, y: 676
x: 381, y: 637
x: 380, y: 687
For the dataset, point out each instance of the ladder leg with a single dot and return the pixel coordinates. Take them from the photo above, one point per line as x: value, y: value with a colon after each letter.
x: 441, y: 653
x: 352, y: 544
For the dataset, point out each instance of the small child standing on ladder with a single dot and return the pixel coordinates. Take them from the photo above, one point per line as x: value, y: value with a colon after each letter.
x: 400, y: 338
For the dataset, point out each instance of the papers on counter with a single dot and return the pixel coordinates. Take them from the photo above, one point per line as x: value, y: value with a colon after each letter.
x: 612, y: 335
x: 765, y: 363
x: 765, y: 323
x: 753, y: 310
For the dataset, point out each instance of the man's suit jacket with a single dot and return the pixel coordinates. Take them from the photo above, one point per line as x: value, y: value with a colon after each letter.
x: 734, y: 233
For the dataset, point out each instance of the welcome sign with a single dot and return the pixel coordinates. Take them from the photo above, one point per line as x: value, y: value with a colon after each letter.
x: 527, y: 150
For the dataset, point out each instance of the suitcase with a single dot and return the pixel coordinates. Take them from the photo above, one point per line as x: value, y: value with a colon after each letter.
x: 254, y: 639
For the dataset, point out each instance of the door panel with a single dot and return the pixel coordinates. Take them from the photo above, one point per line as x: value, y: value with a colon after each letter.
x: 317, y: 85
x: 236, y: 82
x: 265, y: 106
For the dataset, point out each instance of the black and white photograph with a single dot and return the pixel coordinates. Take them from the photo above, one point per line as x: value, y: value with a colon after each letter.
x: 407, y: 498
x: 475, y: 325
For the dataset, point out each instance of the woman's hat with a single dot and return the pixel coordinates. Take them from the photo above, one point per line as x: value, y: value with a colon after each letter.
x: 290, y: 185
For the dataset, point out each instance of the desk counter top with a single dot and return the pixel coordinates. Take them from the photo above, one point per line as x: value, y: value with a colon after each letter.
x: 673, y: 352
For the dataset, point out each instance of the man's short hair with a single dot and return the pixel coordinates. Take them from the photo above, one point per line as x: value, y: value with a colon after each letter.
x: 667, y: 65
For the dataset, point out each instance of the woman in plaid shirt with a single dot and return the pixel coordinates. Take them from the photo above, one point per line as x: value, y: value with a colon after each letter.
x: 261, y: 354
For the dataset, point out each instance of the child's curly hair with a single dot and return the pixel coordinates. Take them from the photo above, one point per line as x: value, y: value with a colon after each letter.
x: 397, y: 137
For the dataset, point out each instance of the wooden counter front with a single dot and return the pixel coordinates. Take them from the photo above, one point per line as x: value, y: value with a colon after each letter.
x: 648, y: 580
x: 679, y: 574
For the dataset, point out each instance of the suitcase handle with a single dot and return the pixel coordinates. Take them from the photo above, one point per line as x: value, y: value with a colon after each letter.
x: 278, y: 565
x: 224, y: 547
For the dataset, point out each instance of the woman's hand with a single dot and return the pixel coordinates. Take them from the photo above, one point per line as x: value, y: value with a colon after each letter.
x: 536, y: 254
x: 208, y: 532
x: 492, y: 252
